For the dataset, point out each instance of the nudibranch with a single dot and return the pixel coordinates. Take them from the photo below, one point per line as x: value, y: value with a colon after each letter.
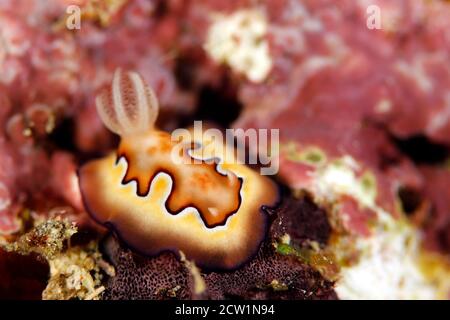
x: 156, y: 199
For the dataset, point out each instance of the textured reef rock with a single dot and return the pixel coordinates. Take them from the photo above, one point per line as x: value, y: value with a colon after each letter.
x: 272, y: 274
x: 310, y: 88
x: 390, y: 96
x: 46, y: 258
x: 339, y: 89
x: 317, y: 66
x: 351, y: 103
x: 364, y: 126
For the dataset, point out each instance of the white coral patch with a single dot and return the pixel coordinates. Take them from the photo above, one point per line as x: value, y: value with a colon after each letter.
x: 339, y: 178
x: 388, y: 268
x: 239, y: 40
x: 389, y: 260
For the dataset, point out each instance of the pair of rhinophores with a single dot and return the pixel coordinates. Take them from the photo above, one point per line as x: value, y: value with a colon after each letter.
x: 211, y: 212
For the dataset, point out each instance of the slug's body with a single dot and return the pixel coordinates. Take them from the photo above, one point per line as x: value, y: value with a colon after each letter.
x: 157, y: 199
